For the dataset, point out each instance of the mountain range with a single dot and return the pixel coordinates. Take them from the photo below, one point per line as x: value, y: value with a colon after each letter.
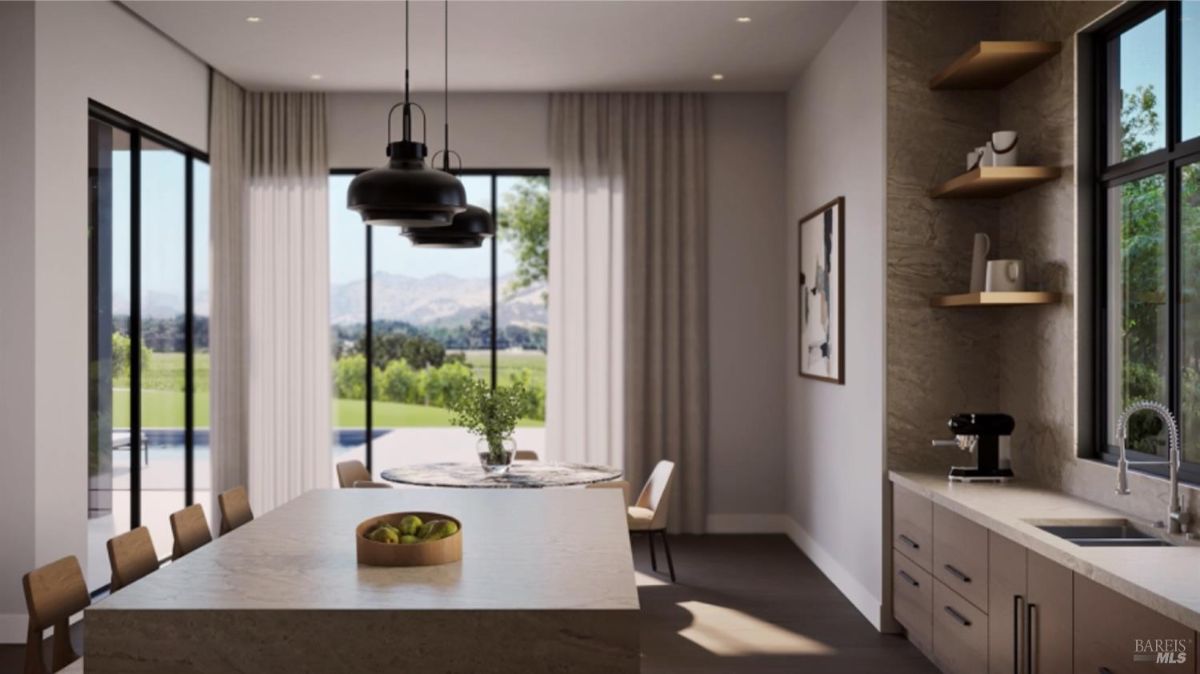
x: 437, y: 300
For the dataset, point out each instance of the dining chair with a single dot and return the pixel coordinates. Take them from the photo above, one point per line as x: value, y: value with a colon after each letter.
x: 526, y: 455
x: 648, y: 515
x: 235, y: 509
x: 190, y: 528
x: 352, y: 471
x: 53, y: 593
x: 368, y: 484
x: 131, y: 556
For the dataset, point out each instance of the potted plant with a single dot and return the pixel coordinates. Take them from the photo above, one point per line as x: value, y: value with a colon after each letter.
x: 491, y: 414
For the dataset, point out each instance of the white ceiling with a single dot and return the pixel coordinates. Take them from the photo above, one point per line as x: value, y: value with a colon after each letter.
x: 503, y: 45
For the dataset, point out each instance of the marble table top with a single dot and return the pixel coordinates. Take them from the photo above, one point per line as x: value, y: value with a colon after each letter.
x: 522, y: 475
x: 553, y: 549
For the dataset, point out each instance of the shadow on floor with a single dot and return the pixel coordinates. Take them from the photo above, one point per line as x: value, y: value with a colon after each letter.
x: 756, y: 604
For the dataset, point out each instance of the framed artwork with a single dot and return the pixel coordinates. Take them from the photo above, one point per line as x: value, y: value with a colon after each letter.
x: 821, y: 305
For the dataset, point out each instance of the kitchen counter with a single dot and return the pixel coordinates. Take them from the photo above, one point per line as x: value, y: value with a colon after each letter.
x: 546, y: 577
x: 1161, y: 578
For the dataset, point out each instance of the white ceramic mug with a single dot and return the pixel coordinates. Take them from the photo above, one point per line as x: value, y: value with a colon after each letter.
x: 979, y: 261
x: 1004, y: 148
x: 1005, y: 276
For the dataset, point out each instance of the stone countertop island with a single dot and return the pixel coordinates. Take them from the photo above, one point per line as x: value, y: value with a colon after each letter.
x: 546, y: 583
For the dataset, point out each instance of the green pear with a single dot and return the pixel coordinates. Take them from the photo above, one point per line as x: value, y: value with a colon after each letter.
x: 409, y: 540
x: 410, y: 525
x: 384, y: 535
x: 437, y: 529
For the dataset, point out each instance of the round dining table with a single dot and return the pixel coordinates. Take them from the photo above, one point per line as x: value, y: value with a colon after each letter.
x: 522, y: 475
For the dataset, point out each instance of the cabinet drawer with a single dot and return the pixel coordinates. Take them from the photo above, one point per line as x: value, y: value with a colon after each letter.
x: 1108, y: 627
x: 960, y: 633
x: 960, y: 555
x: 912, y: 601
x: 912, y: 526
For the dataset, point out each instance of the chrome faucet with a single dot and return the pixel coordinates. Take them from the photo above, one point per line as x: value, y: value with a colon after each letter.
x: 1177, y: 519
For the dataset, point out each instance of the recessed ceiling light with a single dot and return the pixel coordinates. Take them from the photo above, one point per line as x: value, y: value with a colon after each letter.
x: 253, y: 19
x: 743, y: 19
x: 718, y: 76
x: 314, y: 76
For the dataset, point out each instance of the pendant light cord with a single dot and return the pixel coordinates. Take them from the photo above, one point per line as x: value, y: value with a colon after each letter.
x: 407, y: 110
x: 446, y: 87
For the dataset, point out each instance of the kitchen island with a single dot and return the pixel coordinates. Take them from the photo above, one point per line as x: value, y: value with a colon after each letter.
x: 546, y: 579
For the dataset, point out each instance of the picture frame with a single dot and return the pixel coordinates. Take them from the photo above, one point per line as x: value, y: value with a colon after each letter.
x: 821, y: 305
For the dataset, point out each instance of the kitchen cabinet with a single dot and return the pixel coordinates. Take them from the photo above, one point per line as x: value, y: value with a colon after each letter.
x: 960, y: 633
x: 912, y: 526
x: 1007, y: 592
x: 1049, y: 617
x: 1112, y: 630
x: 960, y: 555
x: 912, y: 601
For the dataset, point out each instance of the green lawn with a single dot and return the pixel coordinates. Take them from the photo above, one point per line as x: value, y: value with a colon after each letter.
x: 508, y: 362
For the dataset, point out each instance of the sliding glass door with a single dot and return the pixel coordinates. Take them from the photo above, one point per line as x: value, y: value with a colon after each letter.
x: 148, y: 332
x: 411, y: 326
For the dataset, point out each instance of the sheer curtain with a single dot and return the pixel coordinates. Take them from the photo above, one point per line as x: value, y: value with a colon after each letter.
x: 628, y: 381
x: 272, y: 276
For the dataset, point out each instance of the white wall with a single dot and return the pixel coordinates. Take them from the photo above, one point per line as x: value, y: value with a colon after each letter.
x: 78, y: 50
x: 746, y: 207
x: 836, y: 460
x: 488, y: 130
x: 17, y: 380
x: 746, y: 261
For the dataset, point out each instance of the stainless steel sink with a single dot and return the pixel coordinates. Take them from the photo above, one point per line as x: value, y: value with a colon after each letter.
x: 1104, y: 533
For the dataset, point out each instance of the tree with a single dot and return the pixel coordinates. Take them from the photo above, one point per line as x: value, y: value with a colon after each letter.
x: 420, y: 352
x: 524, y: 224
x: 121, y: 345
x: 350, y: 377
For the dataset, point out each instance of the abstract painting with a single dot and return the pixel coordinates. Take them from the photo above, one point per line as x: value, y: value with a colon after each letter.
x: 821, y: 306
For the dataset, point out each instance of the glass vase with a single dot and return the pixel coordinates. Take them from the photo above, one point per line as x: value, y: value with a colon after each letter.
x: 496, y: 462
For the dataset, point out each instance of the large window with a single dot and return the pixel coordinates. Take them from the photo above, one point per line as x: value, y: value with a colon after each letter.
x: 1148, y: 233
x: 148, y: 332
x: 412, y: 325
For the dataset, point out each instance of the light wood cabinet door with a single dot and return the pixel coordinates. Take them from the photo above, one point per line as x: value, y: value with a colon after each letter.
x: 912, y: 601
x: 1049, y: 616
x: 912, y: 526
x: 1006, y: 605
x: 1108, y: 627
x: 960, y: 633
x: 960, y: 555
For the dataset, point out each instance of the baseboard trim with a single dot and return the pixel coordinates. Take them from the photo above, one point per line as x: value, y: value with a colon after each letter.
x: 867, y: 603
x: 746, y: 523
x: 13, y: 627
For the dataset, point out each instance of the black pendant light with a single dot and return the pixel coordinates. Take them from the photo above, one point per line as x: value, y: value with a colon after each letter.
x: 472, y: 226
x: 406, y: 193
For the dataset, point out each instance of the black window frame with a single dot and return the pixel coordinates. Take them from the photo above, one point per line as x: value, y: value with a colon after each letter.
x: 138, y: 132
x: 368, y: 329
x: 1167, y: 161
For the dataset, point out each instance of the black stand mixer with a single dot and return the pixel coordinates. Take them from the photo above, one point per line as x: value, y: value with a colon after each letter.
x: 986, y: 436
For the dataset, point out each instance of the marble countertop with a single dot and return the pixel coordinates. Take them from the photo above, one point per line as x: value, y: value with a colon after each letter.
x: 1166, y: 579
x: 544, y: 549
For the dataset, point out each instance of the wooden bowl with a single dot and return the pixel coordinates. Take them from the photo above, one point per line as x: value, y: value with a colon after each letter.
x: 441, y: 551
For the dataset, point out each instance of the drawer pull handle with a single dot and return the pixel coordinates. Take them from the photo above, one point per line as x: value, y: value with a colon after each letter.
x: 958, y: 617
x: 909, y: 579
x: 956, y: 573
x: 909, y: 542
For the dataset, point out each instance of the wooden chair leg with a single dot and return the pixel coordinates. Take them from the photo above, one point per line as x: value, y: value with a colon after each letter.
x: 667, y: 547
x: 64, y: 654
x: 653, y: 560
x: 34, y: 663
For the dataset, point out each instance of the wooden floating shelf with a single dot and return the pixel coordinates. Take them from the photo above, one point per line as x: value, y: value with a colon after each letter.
x: 1013, y: 299
x: 992, y: 64
x: 991, y: 182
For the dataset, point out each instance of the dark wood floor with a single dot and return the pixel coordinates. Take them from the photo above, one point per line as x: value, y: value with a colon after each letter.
x: 742, y: 604
x: 756, y: 604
